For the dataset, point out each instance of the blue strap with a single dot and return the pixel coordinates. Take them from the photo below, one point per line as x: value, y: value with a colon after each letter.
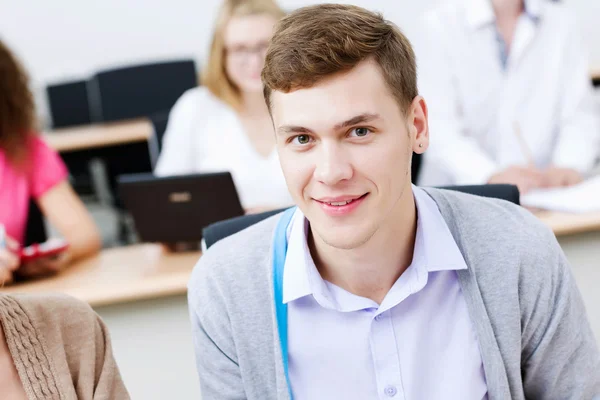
x: 280, y: 245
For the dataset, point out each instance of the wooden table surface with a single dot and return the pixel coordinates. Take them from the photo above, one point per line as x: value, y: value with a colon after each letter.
x: 120, y: 275
x: 99, y: 135
x: 568, y: 224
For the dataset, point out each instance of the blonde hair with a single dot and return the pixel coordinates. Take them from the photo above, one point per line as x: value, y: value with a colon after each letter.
x: 214, y: 76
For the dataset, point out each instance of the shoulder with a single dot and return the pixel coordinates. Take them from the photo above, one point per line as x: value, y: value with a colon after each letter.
x: 46, y: 167
x: 495, y: 227
x: 559, y: 22
x: 510, y: 252
x: 198, y: 99
x: 40, y: 152
x: 238, y: 265
x: 53, y: 311
x: 62, y: 323
x: 488, y: 214
x: 38, y: 148
x: 561, y: 13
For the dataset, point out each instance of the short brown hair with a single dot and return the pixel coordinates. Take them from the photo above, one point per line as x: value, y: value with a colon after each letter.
x: 318, y: 41
x: 214, y: 76
x: 17, y: 110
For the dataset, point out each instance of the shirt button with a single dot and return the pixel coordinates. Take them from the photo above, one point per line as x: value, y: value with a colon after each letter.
x: 378, y: 317
x: 390, y: 391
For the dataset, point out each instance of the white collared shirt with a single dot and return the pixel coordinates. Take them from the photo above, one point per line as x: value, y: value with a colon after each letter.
x: 418, y: 344
x: 477, y: 104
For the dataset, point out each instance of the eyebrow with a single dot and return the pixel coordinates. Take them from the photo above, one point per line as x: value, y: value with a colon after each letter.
x: 359, y: 119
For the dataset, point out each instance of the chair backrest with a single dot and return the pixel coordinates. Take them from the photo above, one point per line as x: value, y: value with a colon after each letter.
x: 220, y: 230
x: 141, y: 90
x: 69, y: 104
x: 159, y: 122
x: 35, y: 231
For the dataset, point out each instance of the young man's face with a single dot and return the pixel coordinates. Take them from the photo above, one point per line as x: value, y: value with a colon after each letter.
x: 345, y: 149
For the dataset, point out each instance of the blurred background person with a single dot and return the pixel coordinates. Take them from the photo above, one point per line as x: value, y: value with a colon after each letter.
x: 510, y: 99
x: 225, y: 125
x: 29, y: 169
x: 55, y: 347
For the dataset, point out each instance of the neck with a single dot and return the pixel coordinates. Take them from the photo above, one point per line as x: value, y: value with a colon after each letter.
x: 371, y: 269
x: 507, y: 10
x: 253, y: 105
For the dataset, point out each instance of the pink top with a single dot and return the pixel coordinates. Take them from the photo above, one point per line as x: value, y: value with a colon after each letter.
x: 44, y: 170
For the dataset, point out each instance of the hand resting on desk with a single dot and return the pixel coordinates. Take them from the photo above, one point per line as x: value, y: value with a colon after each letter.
x: 12, y: 266
x: 525, y: 178
x: 560, y: 177
x: 43, y: 266
x: 528, y: 178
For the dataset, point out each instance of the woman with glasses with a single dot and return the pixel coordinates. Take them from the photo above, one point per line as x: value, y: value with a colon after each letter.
x: 224, y: 125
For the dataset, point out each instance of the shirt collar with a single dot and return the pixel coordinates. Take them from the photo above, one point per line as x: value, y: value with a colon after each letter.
x: 435, y: 250
x: 298, y: 261
x: 435, y: 247
x: 481, y: 12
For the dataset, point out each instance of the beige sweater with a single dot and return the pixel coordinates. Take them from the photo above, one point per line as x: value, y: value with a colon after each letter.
x: 61, y: 348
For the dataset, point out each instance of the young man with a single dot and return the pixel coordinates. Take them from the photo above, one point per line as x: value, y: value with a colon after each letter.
x: 373, y: 288
x: 510, y: 96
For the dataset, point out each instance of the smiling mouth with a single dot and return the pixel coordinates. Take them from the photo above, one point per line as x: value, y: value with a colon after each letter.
x: 342, y: 203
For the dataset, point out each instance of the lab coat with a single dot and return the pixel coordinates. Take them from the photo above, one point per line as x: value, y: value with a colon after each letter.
x: 478, y: 107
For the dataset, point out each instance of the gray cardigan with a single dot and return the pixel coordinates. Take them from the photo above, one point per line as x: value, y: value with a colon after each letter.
x: 535, y: 340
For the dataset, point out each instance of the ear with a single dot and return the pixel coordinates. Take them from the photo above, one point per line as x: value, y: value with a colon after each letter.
x: 418, y: 125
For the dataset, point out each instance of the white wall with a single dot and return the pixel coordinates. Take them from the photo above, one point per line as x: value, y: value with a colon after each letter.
x: 65, y: 39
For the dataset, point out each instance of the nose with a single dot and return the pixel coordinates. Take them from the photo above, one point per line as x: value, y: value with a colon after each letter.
x: 256, y: 61
x: 332, y: 166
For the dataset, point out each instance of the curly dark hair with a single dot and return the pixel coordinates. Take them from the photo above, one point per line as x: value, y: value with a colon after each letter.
x: 17, y: 108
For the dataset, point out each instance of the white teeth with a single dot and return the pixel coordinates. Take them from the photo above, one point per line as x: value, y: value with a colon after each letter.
x: 339, y: 203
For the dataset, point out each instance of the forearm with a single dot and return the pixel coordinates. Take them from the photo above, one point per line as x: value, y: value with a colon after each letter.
x: 85, y: 244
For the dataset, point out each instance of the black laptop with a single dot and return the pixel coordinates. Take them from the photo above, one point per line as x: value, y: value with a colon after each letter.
x: 176, y: 209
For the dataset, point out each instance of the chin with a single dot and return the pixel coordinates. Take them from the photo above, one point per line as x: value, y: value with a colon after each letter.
x: 252, y: 86
x: 345, y: 238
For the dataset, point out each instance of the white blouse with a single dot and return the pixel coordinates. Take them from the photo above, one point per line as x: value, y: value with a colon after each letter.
x: 205, y: 135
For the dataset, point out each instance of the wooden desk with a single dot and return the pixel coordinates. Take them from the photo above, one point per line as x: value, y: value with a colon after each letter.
x: 100, y: 135
x: 119, y: 275
x: 563, y: 224
x: 140, y: 293
x: 148, y: 271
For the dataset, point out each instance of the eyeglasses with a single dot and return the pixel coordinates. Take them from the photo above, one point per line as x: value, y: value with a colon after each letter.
x: 243, y: 53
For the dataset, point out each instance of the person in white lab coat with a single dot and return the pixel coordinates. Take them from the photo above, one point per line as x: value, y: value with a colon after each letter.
x: 225, y: 124
x: 509, y: 94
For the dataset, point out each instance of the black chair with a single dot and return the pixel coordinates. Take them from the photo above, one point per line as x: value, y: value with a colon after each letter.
x: 69, y: 104
x: 219, y: 230
x: 147, y: 90
x: 35, y: 231
x: 159, y: 122
x: 140, y: 90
